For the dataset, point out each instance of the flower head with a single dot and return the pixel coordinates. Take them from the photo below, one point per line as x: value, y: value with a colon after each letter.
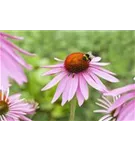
x: 13, y: 108
x: 105, y: 104
x: 10, y: 62
x: 74, y: 74
x: 122, y: 108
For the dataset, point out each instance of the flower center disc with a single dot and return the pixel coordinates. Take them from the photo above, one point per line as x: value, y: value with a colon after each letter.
x: 3, y: 105
x: 76, y: 62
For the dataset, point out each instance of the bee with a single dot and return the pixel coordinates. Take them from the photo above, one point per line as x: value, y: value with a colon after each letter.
x: 88, y: 56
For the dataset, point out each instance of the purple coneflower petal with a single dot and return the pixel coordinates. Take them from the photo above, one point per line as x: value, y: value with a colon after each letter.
x: 99, y: 64
x: 18, y: 107
x: 57, y: 59
x: 25, y: 118
x: 3, y: 78
x: 54, y: 81
x: 54, y: 66
x: 1, y: 118
x: 14, y: 102
x: 102, y: 105
x: 91, y: 81
x: 16, y: 71
x: 128, y: 112
x: 9, y: 118
x: 53, y: 71
x: 18, y: 112
x: 13, y: 116
x: 16, y: 58
x: 122, y: 100
x: 83, y: 87
x: 130, y: 116
x: 104, y: 102
x: 66, y: 92
x: 104, y: 117
x: 60, y: 88
x: 100, y: 111
x: 15, y: 96
x: 98, y: 81
x: 12, y: 46
x: 117, y: 111
x: 108, y: 119
x: 79, y: 97
x: 4, y: 118
x: 73, y: 87
x: 104, y: 70
x: 96, y: 59
x: 104, y: 75
x: 11, y: 36
x: 119, y: 91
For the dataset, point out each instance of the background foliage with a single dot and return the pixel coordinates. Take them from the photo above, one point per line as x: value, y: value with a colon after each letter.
x: 117, y: 47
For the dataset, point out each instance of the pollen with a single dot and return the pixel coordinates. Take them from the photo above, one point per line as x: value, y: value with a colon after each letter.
x: 76, y: 62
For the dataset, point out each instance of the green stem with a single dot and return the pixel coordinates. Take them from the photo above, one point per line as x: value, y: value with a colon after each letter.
x: 72, y: 110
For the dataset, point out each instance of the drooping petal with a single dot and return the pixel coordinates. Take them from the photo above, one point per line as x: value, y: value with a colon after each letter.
x: 12, y: 46
x: 91, y: 81
x: 54, y: 81
x: 83, y: 87
x: 104, y: 75
x: 18, y: 59
x: 128, y: 112
x: 3, y: 79
x: 60, y: 88
x: 54, y: 66
x: 80, y: 97
x: 130, y: 116
x: 52, y: 71
x: 66, y: 92
x: 121, y: 90
x: 98, y: 81
x: 122, y: 100
x: 73, y: 86
x: 15, y: 72
x: 104, y: 70
x: 5, y: 35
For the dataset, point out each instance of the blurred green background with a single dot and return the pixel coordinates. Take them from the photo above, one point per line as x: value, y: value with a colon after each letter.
x: 117, y: 47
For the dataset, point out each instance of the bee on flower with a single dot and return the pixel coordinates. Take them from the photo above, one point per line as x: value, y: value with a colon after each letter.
x: 75, y: 74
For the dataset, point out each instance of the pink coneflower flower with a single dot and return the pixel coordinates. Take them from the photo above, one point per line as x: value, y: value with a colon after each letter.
x: 105, y: 104
x: 13, y: 108
x: 10, y: 62
x: 123, y: 106
x: 74, y: 74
